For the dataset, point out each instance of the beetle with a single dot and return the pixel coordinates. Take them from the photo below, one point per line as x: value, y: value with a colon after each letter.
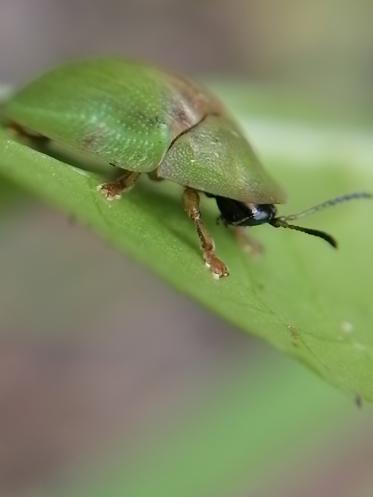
x: 144, y: 120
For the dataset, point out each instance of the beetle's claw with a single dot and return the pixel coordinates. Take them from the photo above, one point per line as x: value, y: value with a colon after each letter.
x: 217, y: 267
x: 109, y: 191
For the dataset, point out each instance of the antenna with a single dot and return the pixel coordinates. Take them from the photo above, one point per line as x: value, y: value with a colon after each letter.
x: 282, y: 221
x: 329, y: 203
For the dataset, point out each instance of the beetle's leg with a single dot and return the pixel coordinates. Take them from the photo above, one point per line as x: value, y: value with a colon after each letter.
x: 114, y: 189
x: 191, y: 205
x: 153, y: 175
x: 247, y: 242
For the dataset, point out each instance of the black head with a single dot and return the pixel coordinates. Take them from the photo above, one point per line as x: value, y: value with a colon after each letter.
x: 237, y: 213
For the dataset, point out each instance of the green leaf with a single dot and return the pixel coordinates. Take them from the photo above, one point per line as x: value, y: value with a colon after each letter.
x: 301, y: 296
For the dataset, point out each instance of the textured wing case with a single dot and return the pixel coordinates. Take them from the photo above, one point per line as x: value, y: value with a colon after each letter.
x: 124, y: 112
x: 215, y: 157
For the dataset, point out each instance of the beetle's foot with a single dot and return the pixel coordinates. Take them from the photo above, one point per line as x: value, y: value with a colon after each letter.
x: 247, y: 243
x: 110, y: 191
x: 216, y: 266
x: 114, y: 189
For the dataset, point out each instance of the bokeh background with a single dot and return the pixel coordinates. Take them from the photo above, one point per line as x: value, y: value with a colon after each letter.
x: 101, y: 363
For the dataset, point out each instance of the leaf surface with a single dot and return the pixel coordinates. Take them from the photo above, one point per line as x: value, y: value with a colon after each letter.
x: 301, y: 296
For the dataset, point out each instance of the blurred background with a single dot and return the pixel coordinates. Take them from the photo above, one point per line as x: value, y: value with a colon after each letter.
x: 102, y: 365
x: 318, y: 46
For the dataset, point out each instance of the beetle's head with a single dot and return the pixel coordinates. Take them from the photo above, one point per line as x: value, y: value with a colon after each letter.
x: 237, y: 213
x: 240, y: 214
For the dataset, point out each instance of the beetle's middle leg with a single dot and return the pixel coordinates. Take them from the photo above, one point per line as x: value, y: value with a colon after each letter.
x: 191, y: 205
x: 247, y: 242
x: 114, y: 189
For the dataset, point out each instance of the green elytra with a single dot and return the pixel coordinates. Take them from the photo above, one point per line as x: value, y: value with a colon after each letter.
x: 143, y: 119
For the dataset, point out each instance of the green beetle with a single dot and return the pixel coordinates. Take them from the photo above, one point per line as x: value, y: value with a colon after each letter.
x: 144, y: 120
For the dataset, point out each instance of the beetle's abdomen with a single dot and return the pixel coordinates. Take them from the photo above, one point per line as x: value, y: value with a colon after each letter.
x: 124, y: 112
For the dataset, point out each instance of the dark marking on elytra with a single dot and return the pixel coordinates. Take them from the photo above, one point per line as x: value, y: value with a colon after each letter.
x: 181, y: 115
x: 92, y: 139
x: 149, y: 120
x: 89, y: 140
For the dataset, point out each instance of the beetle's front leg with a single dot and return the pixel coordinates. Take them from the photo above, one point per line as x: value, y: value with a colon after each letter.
x: 191, y: 205
x: 114, y: 189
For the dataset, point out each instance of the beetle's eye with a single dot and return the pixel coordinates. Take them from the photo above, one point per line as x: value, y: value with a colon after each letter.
x: 261, y: 213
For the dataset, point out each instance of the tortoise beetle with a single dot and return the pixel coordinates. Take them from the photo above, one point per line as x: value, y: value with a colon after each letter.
x: 142, y: 119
